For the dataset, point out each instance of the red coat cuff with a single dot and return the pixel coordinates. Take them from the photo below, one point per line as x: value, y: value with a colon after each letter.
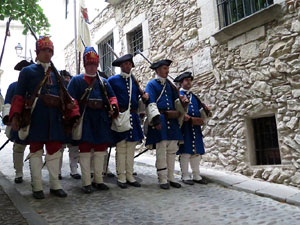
x: 17, y: 105
x: 114, y: 102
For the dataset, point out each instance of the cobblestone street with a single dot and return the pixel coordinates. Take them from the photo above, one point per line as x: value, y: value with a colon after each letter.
x: 198, y: 204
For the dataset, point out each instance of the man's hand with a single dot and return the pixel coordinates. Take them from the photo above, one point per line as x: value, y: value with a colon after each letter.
x: 186, y: 118
x: 115, y: 112
x: 158, y: 127
x: 184, y: 100
x: 15, y: 125
x: 145, y: 97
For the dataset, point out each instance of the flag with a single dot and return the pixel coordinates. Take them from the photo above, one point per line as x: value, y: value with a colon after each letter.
x: 83, y: 27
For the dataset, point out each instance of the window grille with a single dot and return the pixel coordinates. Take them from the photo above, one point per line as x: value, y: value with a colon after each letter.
x: 230, y: 11
x: 106, y: 56
x: 266, y: 141
x: 135, y: 40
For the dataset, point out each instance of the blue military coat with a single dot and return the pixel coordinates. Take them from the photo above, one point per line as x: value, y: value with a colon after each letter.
x: 170, y: 128
x: 11, y: 91
x: 193, y: 141
x: 121, y: 87
x: 46, y: 122
x: 96, y: 122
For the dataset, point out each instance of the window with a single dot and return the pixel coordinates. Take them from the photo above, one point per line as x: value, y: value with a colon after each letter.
x: 266, y: 141
x: 106, y: 55
x: 135, y: 40
x: 230, y: 11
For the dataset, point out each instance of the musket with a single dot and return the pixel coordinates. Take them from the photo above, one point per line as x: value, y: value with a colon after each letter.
x: 206, y: 110
x: 170, y: 82
x: 141, y: 153
x: 66, y: 98
x: 5, y: 143
x: 134, y: 79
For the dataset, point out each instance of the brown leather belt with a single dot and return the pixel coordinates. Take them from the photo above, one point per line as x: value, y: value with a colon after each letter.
x: 95, y: 104
x: 197, y: 121
x: 170, y: 114
x: 131, y: 110
x: 51, y: 100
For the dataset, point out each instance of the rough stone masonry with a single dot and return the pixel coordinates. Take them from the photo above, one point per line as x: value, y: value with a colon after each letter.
x: 253, y: 74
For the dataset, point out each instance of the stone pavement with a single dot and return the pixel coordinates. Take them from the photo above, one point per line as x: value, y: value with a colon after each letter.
x: 9, y: 214
x: 236, y: 181
x: 210, y: 204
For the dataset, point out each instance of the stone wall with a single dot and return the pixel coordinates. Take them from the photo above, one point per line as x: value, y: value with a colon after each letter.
x: 252, y: 75
x: 258, y: 74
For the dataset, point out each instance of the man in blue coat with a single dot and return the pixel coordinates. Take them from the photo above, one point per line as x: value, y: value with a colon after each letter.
x: 42, y: 87
x: 163, y: 112
x: 19, y: 145
x: 193, y: 147
x: 126, y: 87
x: 97, y: 108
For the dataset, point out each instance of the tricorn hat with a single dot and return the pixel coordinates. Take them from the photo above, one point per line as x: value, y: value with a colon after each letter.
x: 122, y: 59
x: 65, y: 73
x: 20, y: 65
x: 160, y: 63
x: 181, y: 77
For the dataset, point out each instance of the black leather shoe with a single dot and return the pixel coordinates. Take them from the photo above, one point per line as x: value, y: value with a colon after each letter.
x: 100, y: 186
x: 75, y: 176
x: 110, y: 175
x: 92, y: 175
x: 38, y: 194
x: 202, y: 181
x: 18, y: 180
x: 59, y: 193
x: 134, y: 174
x: 59, y: 177
x: 164, y: 186
x: 87, y: 189
x: 134, y: 184
x: 175, y: 184
x: 122, y: 185
x: 189, y: 182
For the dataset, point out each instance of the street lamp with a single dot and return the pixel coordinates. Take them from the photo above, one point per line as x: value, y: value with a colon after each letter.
x: 19, y: 49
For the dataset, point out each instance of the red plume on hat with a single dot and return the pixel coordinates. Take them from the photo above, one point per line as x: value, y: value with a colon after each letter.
x: 44, y: 42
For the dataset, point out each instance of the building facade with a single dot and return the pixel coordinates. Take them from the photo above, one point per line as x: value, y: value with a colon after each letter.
x: 244, y: 55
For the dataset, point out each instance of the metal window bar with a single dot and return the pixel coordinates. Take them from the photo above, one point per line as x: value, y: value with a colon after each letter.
x: 106, y: 56
x: 136, y: 40
x: 266, y: 141
x: 230, y: 11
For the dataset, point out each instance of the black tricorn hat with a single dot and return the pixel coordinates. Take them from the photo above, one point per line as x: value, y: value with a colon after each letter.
x: 124, y: 58
x: 20, y: 65
x: 181, y: 77
x: 65, y: 73
x: 160, y: 63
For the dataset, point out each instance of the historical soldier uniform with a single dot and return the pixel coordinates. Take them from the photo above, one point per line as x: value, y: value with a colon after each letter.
x: 163, y: 129
x: 126, y: 89
x: 19, y: 145
x: 71, y: 145
x: 96, y: 133
x: 40, y: 85
x: 190, y: 152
